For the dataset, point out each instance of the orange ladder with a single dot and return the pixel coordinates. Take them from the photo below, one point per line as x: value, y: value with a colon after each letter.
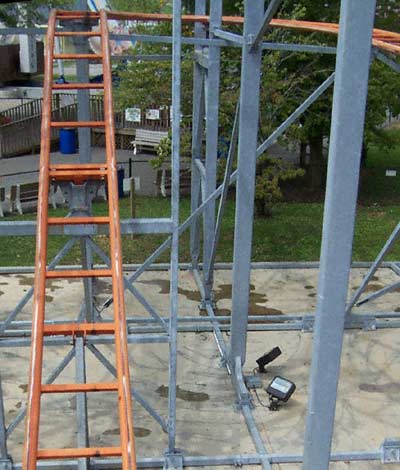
x: 78, y: 173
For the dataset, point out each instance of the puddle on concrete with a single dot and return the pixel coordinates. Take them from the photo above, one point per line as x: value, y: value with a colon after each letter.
x: 18, y: 405
x: 222, y: 292
x: 164, y: 288
x: 3, y: 283
x: 312, y: 294
x: 308, y: 287
x: 139, y: 432
x: 1, y: 292
x: 183, y: 394
x: 29, y: 282
x: 373, y: 287
x: 375, y: 278
x: 49, y: 298
x: 102, y: 287
x: 391, y: 387
x: 23, y: 387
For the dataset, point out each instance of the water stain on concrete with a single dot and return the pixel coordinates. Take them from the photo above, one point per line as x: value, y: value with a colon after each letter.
x: 29, y: 282
x: 139, y: 432
x: 164, y: 288
x: 373, y: 287
x: 391, y: 387
x: 102, y: 287
x: 186, y: 395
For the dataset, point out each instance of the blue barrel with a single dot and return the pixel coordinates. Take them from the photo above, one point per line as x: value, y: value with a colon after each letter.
x: 67, y: 141
x: 121, y: 174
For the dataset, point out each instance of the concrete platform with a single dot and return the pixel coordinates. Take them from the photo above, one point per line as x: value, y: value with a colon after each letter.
x: 208, y: 424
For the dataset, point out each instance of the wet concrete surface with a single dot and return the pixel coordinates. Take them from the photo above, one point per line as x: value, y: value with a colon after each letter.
x: 207, y: 421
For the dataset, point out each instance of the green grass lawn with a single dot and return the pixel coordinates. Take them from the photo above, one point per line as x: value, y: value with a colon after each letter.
x: 292, y: 234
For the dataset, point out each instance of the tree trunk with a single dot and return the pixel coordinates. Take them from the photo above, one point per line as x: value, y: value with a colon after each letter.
x: 317, y: 163
x: 303, y: 154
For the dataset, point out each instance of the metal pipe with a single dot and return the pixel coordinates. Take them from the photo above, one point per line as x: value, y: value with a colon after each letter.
x: 175, y: 172
x: 246, y: 173
x: 35, y: 373
x: 121, y: 341
x: 348, y: 114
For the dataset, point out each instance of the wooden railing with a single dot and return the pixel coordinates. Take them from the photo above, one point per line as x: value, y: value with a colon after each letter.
x: 21, y: 133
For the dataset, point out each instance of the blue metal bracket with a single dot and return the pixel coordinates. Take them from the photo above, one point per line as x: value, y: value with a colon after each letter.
x: 173, y: 461
x: 390, y: 450
x: 6, y: 464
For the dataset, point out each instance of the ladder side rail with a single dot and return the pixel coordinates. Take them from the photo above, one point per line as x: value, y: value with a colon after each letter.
x: 121, y: 343
x: 35, y: 374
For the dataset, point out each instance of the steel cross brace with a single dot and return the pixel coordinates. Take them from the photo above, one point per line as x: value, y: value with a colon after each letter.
x: 25, y: 299
x: 130, y: 287
x: 372, y: 270
x: 245, y: 404
x: 135, y: 394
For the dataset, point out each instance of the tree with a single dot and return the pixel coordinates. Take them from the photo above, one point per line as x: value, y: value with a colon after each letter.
x: 30, y: 13
x: 288, y: 78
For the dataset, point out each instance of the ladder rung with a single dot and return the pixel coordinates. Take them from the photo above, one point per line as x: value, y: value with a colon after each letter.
x: 78, y: 56
x: 59, y: 124
x: 82, y: 14
x: 79, y: 166
x: 74, y: 388
x: 49, y: 454
x: 77, y: 33
x: 77, y: 220
x: 73, y: 273
x: 78, y: 86
x: 75, y: 329
x: 78, y: 175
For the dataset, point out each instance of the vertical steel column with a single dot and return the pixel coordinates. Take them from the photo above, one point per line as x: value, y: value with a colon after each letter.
x: 245, y: 187
x: 212, y: 85
x: 82, y: 435
x: 83, y: 96
x: 87, y: 263
x: 173, y: 323
x: 3, y: 434
x: 197, y: 135
x: 349, y: 103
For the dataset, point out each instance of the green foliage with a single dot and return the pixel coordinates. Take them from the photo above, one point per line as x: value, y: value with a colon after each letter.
x: 164, y: 149
x: 270, y: 173
x: 34, y: 12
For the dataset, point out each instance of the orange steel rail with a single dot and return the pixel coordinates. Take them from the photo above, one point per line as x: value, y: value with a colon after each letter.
x: 381, y: 39
x: 78, y: 173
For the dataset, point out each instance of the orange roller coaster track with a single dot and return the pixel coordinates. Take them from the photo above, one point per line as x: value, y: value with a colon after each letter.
x: 384, y: 40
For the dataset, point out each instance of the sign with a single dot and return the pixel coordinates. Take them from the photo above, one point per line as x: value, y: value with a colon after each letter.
x: 133, y: 114
x: 153, y: 114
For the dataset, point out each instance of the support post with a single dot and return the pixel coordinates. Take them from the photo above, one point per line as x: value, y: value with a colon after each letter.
x: 197, y: 135
x: 173, y: 323
x: 348, y: 114
x: 245, y: 188
x: 3, y: 435
x: 82, y: 434
x: 212, y: 85
x: 83, y: 96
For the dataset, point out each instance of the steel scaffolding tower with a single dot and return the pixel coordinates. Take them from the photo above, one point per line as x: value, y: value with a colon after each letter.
x: 332, y: 316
